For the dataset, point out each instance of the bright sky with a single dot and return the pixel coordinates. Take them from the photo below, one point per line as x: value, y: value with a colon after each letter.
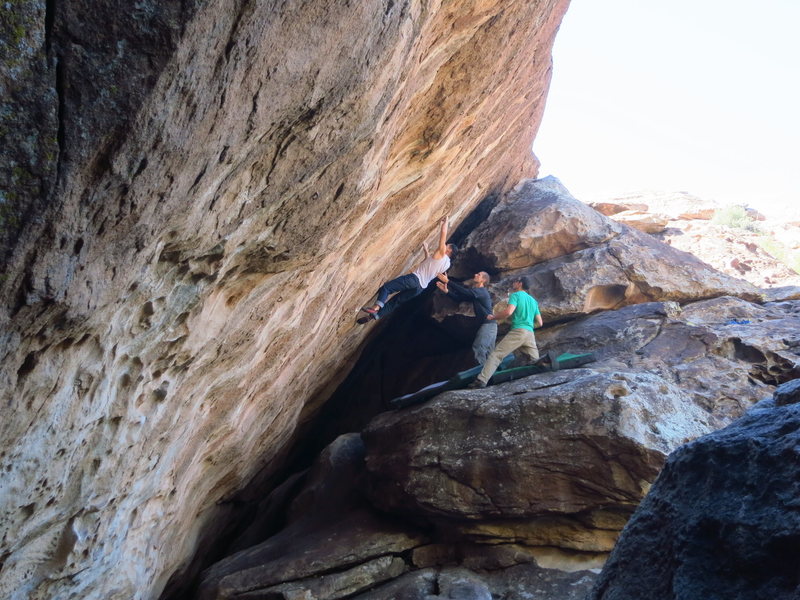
x: 700, y: 96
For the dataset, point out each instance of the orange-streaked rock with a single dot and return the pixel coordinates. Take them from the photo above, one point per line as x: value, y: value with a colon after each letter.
x: 188, y: 301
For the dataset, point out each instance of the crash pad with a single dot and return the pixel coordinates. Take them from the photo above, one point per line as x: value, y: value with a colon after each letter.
x: 464, y: 378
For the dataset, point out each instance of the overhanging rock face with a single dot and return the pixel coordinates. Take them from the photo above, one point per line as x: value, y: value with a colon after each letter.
x: 185, y: 302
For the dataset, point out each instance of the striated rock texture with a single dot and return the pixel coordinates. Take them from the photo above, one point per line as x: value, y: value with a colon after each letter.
x: 563, y: 442
x: 185, y: 296
x: 722, y: 519
x: 553, y: 463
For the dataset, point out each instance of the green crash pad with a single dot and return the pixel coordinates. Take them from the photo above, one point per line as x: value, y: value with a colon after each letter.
x: 456, y: 382
x: 464, y: 378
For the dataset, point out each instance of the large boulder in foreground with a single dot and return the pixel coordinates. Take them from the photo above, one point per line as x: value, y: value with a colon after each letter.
x: 722, y: 520
x: 334, y: 546
x: 505, y: 462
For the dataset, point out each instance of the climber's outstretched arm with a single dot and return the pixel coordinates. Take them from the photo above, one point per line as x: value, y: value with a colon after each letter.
x: 441, y: 249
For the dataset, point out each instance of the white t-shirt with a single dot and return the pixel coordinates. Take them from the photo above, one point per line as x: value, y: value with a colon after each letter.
x: 429, y: 268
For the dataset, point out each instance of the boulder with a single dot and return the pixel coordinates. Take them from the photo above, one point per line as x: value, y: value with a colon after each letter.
x: 333, y: 545
x: 721, y: 521
x: 360, y: 547
x: 630, y: 269
x: 787, y: 393
x: 642, y: 220
x: 579, y: 261
x: 453, y: 583
x: 787, y: 292
x: 537, y: 221
x: 675, y: 205
x: 610, y: 209
x: 589, y: 440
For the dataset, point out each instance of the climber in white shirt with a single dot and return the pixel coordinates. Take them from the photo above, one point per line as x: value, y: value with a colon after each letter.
x: 407, y: 286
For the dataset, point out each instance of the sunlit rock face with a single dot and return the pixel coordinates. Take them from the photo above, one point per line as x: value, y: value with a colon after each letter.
x: 188, y: 296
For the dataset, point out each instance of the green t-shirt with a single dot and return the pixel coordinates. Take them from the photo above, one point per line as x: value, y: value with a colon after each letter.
x: 526, y: 311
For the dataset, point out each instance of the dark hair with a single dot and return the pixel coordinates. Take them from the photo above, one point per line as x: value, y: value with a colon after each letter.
x: 453, y: 250
x: 523, y: 281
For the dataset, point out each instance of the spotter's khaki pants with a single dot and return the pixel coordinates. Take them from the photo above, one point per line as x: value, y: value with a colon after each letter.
x: 516, y: 339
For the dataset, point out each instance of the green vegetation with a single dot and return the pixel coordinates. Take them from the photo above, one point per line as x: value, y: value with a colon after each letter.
x: 12, y: 25
x: 781, y: 252
x: 735, y: 217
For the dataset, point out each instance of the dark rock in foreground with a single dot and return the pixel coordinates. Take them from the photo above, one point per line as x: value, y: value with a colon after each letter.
x: 721, y: 521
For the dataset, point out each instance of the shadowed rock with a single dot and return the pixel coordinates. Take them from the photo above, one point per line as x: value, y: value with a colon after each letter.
x: 333, y: 545
x: 721, y: 521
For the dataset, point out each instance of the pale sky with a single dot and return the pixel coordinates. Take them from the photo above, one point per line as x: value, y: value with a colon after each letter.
x: 700, y: 96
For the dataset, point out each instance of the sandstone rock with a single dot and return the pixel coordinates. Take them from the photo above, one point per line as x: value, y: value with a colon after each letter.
x: 524, y: 581
x: 359, y: 546
x: 332, y: 544
x: 187, y: 299
x: 676, y: 205
x: 787, y: 393
x: 642, y: 220
x: 720, y: 521
x: 590, y: 440
x: 726, y: 353
x: 736, y: 252
x: 777, y: 294
x: 429, y: 584
x: 579, y: 261
x: 417, y: 585
x: 537, y: 221
x: 342, y: 584
x: 312, y: 496
x: 610, y: 209
x: 630, y: 269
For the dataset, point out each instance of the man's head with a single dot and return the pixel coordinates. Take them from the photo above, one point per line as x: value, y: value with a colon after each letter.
x: 519, y: 283
x: 451, y: 250
x: 481, y: 279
